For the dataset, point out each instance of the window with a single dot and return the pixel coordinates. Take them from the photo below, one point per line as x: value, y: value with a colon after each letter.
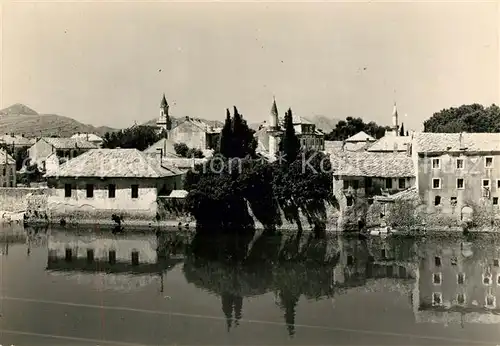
x: 461, y: 299
x: 111, y: 190
x: 346, y: 184
x: 383, y: 253
x: 498, y: 184
x: 4, y: 172
x: 487, y: 279
x: 355, y: 184
x: 90, y: 190
x: 461, y: 278
x: 90, y: 255
x: 436, y: 163
x: 436, y: 183
x: 437, y: 298
x: 388, y: 183
x: 135, y: 257
x: 402, y: 183
x: 488, y: 162
x: 135, y: 191
x: 453, y: 201
x: 437, y: 261
x: 495, y: 262
x: 68, y: 255
x: 495, y: 200
x: 490, y: 301
x: 11, y: 184
x: 486, y: 183
x: 437, y: 200
x: 350, y: 260
x: 460, y: 163
x: 437, y: 278
x: 67, y: 190
x: 350, y: 201
x: 460, y: 183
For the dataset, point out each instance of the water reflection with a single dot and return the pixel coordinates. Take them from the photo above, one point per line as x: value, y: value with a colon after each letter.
x: 447, y: 280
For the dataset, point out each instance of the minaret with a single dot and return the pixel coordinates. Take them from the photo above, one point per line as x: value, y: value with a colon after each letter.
x: 395, y: 125
x: 274, y: 131
x: 164, y: 122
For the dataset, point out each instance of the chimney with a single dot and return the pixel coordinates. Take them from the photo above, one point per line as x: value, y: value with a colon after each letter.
x: 408, y: 149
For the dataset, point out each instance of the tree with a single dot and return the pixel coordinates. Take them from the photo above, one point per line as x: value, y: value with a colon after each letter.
x: 181, y: 149
x: 225, y: 139
x: 289, y: 145
x: 349, y: 127
x: 20, y: 154
x: 242, y: 137
x: 138, y: 137
x: 466, y: 118
x: 402, y: 130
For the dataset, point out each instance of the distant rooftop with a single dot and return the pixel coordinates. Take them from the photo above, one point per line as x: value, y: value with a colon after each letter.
x: 457, y: 142
x: 69, y: 143
x: 361, y: 137
x: 368, y: 164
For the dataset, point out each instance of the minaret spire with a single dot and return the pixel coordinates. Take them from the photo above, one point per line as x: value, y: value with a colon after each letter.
x: 273, y: 119
x: 395, y: 125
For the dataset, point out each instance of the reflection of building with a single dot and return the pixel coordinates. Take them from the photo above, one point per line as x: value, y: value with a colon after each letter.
x: 458, y: 283
x: 115, y: 261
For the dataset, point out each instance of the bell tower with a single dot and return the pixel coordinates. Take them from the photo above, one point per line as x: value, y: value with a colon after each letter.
x: 164, y: 122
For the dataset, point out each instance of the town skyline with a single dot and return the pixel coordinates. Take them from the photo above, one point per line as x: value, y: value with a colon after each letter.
x: 329, y: 59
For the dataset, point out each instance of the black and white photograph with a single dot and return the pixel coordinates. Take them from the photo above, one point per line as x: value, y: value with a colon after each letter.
x: 246, y: 173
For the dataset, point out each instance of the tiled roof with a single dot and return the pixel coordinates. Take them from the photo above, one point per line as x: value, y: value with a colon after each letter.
x: 6, y: 158
x: 408, y: 194
x: 165, y: 144
x: 91, y: 137
x: 360, y: 137
x: 333, y: 146
x: 16, y: 140
x: 201, y: 124
x: 116, y: 163
x: 368, y: 164
x: 69, y: 143
x: 390, y: 143
x: 456, y: 142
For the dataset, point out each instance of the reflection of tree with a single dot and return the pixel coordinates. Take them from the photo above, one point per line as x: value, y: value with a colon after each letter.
x: 289, y: 266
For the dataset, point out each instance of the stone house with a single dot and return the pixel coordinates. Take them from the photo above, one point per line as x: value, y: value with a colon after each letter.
x: 458, y: 173
x: 359, y: 176
x: 195, y: 133
x: 64, y: 148
x: 458, y: 282
x: 89, y: 137
x: 17, y: 141
x: 269, y: 134
x: 7, y: 170
x: 103, y: 182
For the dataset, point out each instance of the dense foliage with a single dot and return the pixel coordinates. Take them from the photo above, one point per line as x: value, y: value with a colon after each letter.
x: 466, y: 118
x: 20, y: 154
x: 183, y: 150
x: 138, y: 137
x: 236, y: 182
x: 349, y: 127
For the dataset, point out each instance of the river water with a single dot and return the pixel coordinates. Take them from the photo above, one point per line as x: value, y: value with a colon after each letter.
x: 93, y: 287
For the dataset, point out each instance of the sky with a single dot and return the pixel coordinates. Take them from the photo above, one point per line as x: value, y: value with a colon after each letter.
x: 109, y: 63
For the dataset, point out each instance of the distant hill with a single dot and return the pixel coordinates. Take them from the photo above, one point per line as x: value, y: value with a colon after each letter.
x: 322, y: 122
x: 18, y: 109
x: 20, y: 119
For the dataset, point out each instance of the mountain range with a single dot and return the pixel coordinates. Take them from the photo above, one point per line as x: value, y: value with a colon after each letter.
x: 21, y: 119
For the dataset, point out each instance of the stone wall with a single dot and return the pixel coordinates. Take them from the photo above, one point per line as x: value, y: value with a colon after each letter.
x: 16, y: 199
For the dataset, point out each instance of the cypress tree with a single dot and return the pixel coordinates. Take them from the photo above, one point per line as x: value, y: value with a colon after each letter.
x: 243, y: 141
x: 402, y: 130
x: 225, y: 140
x: 290, y: 145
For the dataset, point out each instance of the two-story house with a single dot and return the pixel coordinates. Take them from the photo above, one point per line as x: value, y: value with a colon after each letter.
x: 458, y: 172
x: 360, y: 175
